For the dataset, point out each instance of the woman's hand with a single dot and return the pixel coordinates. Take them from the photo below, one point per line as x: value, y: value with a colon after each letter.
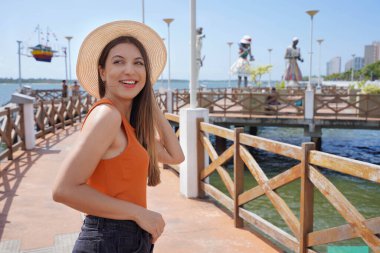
x: 152, y: 222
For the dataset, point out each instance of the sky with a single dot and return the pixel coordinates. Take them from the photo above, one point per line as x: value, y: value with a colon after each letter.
x: 345, y: 25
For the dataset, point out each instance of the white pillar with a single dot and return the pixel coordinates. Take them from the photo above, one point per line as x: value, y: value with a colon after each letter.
x: 169, y: 100
x: 309, y: 104
x: 27, y: 102
x: 30, y: 134
x: 193, y: 65
x: 188, y: 139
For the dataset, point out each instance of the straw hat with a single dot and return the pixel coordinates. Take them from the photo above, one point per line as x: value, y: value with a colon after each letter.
x: 94, y: 43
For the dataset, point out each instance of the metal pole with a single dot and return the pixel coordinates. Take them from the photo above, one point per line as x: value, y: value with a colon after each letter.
x: 69, y: 39
x: 352, y: 67
x: 19, y: 63
x: 270, y: 63
x: 143, y: 12
x: 319, y: 62
x: 64, y: 50
x: 193, y: 77
x: 311, y: 14
x: 168, y: 21
x: 229, y: 66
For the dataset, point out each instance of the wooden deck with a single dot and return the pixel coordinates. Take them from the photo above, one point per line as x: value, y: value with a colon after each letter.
x: 31, y: 221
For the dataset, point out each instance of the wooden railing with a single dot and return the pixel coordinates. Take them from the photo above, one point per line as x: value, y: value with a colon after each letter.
x: 44, y: 95
x: 347, y: 106
x: 244, y: 104
x: 49, y: 116
x: 161, y: 99
x: 11, y: 132
x: 55, y: 113
x: 308, y: 170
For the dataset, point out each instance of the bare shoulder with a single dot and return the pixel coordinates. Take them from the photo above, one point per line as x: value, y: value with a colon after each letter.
x: 103, y: 119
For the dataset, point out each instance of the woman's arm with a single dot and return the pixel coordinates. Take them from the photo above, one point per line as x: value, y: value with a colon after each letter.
x: 168, y: 149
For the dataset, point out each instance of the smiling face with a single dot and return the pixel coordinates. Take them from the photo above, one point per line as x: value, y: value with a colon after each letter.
x: 124, y: 72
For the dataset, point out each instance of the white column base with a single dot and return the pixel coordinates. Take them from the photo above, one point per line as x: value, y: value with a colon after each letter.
x: 188, y: 140
x: 309, y: 104
x: 169, y: 99
x: 30, y: 133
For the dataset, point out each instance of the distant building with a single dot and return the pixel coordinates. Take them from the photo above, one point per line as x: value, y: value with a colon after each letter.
x: 334, y: 66
x: 372, y: 53
x: 357, y: 63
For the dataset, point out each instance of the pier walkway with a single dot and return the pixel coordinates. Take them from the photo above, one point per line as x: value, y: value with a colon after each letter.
x: 31, y: 221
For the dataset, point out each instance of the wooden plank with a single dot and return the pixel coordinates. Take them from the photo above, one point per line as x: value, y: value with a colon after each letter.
x: 276, y: 147
x: 218, y: 131
x: 172, y: 117
x: 238, y: 177
x: 282, y: 179
x: 271, y: 230
x: 341, y: 233
x: 217, y: 161
x: 226, y: 180
x: 348, y: 166
x: 278, y: 203
x: 307, y: 198
x: 345, y: 208
x: 201, y: 157
x: 218, y: 195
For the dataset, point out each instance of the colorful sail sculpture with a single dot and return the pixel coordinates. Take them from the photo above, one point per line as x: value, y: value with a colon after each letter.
x: 42, y: 53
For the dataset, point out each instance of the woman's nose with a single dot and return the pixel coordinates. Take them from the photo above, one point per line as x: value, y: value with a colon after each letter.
x: 128, y: 68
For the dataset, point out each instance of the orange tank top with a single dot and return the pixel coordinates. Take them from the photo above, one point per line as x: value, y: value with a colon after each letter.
x: 124, y: 176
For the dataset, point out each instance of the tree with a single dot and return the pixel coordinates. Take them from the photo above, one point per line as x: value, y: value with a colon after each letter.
x: 258, y: 72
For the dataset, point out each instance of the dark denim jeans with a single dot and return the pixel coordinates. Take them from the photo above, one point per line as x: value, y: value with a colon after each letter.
x: 101, y: 235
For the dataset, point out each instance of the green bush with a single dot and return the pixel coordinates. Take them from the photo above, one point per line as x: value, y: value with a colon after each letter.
x: 372, y: 89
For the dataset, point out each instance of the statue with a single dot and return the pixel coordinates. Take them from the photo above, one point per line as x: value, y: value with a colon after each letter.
x: 293, y: 73
x: 241, y: 67
x: 198, y: 51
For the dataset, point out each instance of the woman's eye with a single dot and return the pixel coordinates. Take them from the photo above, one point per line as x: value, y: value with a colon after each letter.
x: 140, y: 63
x: 117, y: 62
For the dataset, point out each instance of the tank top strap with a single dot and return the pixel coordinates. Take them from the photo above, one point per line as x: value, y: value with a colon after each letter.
x: 126, y: 124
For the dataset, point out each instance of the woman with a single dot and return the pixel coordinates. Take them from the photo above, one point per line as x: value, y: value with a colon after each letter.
x: 293, y: 73
x: 106, y: 173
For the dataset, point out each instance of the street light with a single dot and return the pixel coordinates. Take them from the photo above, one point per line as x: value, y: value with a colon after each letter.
x: 319, y: 63
x: 168, y: 21
x: 69, y: 39
x: 64, y: 49
x: 311, y: 13
x: 143, y: 12
x: 270, y: 63
x: 352, y: 67
x: 229, y: 62
x: 19, y: 63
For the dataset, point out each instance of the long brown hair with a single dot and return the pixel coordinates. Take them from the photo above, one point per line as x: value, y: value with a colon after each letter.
x: 142, y: 116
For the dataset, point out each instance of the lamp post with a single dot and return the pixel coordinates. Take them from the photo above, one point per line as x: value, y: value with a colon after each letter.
x: 319, y: 63
x: 270, y: 63
x: 64, y: 49
x: 68, y: 40
x: 229, y: 62
x: 311, y: 13
x: 19, y: 63
x: 168, y: 21
x: 352, y: 67
x: 143, y: 12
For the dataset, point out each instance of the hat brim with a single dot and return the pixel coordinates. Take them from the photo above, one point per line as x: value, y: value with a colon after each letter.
x: 94, y: 43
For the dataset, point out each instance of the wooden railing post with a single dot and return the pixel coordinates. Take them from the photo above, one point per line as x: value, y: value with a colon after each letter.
x: 22, y: 126
x: 307, y: 198
x: 52, y: 116
x: 41, y: 118
x: 238, y: 176
x: 8, y: 134
x: 200, y: 157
